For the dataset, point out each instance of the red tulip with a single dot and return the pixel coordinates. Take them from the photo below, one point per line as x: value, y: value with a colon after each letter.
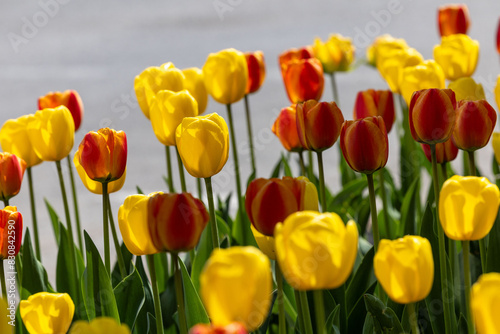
x: 432, y: 115
x: 294, y: 55
x: 375, y: 103
x: 303, y: 79
x: 69, y: 99
x: 474, y: 124
x: 234, y: 328
x: 498, y: 36
x: 318, y: 124
x: 11, y: 232
x: 445, y: 152
x: 453, y: 19
x: 176, y: 221
x: 256, y: 71
x: 285, y: 128
x: 11, y: 175
x: 364, y: 144
x: 103, y: 154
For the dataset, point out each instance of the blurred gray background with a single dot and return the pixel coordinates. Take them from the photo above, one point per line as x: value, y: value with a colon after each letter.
x: 97, y: 48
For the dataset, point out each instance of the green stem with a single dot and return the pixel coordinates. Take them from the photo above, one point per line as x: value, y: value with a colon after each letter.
x: 472, y: 163
x: 33, y: 215
x: 373, y: 210
x: 169, y: 170
x: 179, y: 293
x: 385, y: 206
x: 465, y: 255
x: 181, y: 171
x: 322, y: 182
x: 2, y: 280
x: 319, y: 310
x: 75, y: 204
x: 5, y: 202
x: 302, y: 165
x: 280, y: 299
x: 198, y: 185
x: 442, y: 253
x: 452, y: 250
x: 310, y: 167
x: 482, y: 245
x: 105, y: 226
x: 299, y: 310
x: 250, y: 136
x: 334, y: 90
x: 211, y: 206
x: 306, y: 315
x: 118, y: 249
x: 444, y: 171
x: 156, y: 294
x: 413, y: 318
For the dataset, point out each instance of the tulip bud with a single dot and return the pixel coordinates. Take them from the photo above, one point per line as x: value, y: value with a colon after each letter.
x: 195, y: 85
x: 422, y: 76
x: 382, y: 46
x: 270, y: 201
x: 14, y: 139
x: 176, y: 221
x: 103, y: 154
x: 265, y: 243
x: 236, y: 285
x: 457, y: 55
x: 303, y: 79
x: 101, y: 325
x: 11, y: 232
x: 226, y: 74
x: 318, y: 124
x: 234, y: 328
x: 52, y: 133
x: 46, y: 312
x: 364, y: 144
x: 468, y: 206
x: 375, y: 103
x: 256, y: 71
x: 316, y: 251
x: 392, y: 64
x: 453, y: 19
x: 336, y: 54
x: 294, y: 55
x: 485, y: 295
x: 445, y: 152
x: 203, y: 144
x: 405, y: 268
x: 166, y: 112
x: 285, y: 128
x: 467, y: 89
x: 11, y: 175
x: 69, y: 98
x: 475, y: 121
x: 432, y: 115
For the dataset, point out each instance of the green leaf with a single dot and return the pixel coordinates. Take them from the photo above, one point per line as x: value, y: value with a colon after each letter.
x: 408, y: 210
x: 493, y: 252
x: 277, y: 169
x: 333, y: 321
x: 161, y: 266
x: 129, y: 295
x: 286, y: 166
x: 347, y: 175
x: 139, y: 190
x: 116, y: 276
x: 362, y: 280
x: 54, y: 218
x: 151, y: 324
x: 35, y: 277
x: 168, y: 303
x: 195, y: 312
x: 358, y: 313
x: 141, y: 324
x: 384, y: 318
x: 263, y: 328
x: 241, y: 229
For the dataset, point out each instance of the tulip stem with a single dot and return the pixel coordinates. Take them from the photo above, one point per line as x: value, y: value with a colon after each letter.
x: 373, y: 210
x: 181, y: 171
x: 33, y: 215
x: 281, y: 304
x: 322, y: 181
x: 5, y: 202
x: 385, y: 206
x: 319, y: 310
x: 156, y: 294
x: 250, y: 136
x: 299, y: 311
x: 75, y: 204
x: 472, y: 163
x: 107, y: 259
x: 413, y: 318
x: 310, y: 167
x: 200, y: 192
x: 170, y: 181
x: 119, y: 255
x: 213, y: 219
x: 302, y: 165
x: 306, y: 315
x: 442, y: 254
x: 465, y: 256
x: 334, y: 89
x: 2, y: 279
x: 179, y: 293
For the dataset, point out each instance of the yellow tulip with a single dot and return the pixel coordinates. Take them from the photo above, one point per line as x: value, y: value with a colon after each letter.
x: 167, y: 110
x: 497, y: 92
x: 468, y: 207
x: 101, y: 325
x: 265, y: 243
x: 95, y: 186
x: 203, y: 144
x: 457, y: 55
x: 47, y: 313
x: 14, y: 139
x: 226, y: 74
x: 194, y: 83
x: 236, y: 286
x: 52, y: 133
x: 405, y: 268
x: 134, y: 227
x: 485, y: 303
x: 381, y: 47
x: 5, y: 317
x: 316, y: 251
x: 495, y: 142
x: 423, y: 76
x: 336, y: 54
x: 467, y: 89
x: 393, y: 62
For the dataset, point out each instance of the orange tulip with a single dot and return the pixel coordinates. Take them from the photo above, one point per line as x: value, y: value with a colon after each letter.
x: 285, y: 128
x: 11, y: 175
x: 453, y: 19
x: 375, y: 103
x: 294, y: 55
x: 103, y: 154
x: 256, y: 70
x: 303, y: 79
x: 234, y: 328
x: 69, y: 98
x: 445, y: 152
x: 11, y: 232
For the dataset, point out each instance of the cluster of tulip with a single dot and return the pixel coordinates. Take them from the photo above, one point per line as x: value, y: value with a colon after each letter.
x: 226, y: 283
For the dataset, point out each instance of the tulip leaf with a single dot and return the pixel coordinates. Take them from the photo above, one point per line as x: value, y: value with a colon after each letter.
x: 347, y: 175
x: 35, y: 277
x: 161, y: 266
x: 141, y: 324
x: 116, y: 276
x: 168, y: 303
x: 408, y: 210
x: 286, y: 166
x: 195, y: 312
x: 462, y: 325
x: 493, y: 252
x: 54, y: 218
x: 355, y: 325
x: 333, y: 321
x: 96, y: 285
x: 277, y: 169
x: 384, y: 318
x: 362, y: 279
x: 129, y: 295
x: 348, y: 193
x: 241, y: 229
x: 151, y: 324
